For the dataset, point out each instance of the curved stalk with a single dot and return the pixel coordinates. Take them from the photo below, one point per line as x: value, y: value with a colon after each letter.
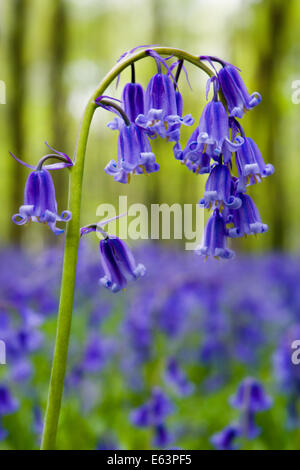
x: 73, y: 237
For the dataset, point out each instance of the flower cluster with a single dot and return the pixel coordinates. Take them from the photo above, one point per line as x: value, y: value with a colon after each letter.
x: 157, y: 112
x: 214, y: 145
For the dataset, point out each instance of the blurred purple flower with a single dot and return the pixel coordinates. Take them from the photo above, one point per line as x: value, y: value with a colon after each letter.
x: 153, y: 412
x: 8, y: 404
x: 98, y: 352
x: 175, y: 376
x: 224, y: 440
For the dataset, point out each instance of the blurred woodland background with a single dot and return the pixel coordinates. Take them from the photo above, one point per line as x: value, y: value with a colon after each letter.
x: 53, y: 54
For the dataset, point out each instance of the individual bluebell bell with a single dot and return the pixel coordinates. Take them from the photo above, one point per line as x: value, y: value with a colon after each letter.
x: 235, y: 92
x: 193, y: 155
x: 118, y: 264
x: 117, y: 261
x: 8, y: 404
x: 224, y: 440
x: 246, y: 219
x: 251, y: 396
x: 133, y: 97
x: 250, y: 164
x: 154, y: 412
x: 134, y: 153
x: 163, y: 108
x: 215, y: 238
x: 213, y: 132
x: 39, y: 196
x: 176, y: 377
x: 219, y: 189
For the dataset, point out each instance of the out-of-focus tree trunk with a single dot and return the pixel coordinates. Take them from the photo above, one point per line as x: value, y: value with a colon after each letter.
x: 270, y: 62
x: 58, y: 50
x: 15, y: 104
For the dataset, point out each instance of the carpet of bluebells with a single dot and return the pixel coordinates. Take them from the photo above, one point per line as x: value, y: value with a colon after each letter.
x: 194, y: 356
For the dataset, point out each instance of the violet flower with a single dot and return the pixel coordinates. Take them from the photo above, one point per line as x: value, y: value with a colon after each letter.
x: 193, y: 155
x: 246, y: 218
x: 117, y: 261
x: 235, y: 92
x: 224, y: 440
x: 250, y: 163
x: 39, y: 196
x: 176, y: 377
x: 250, y: 399
x: 133, y: 97
x: 163, y: 107
x: 8, y: 404
x: 134, y: 153
x: 213, y: 129
x: 97, y: 353
x: 154, y: 412
x: 219, y: 189
x: 215, y: 238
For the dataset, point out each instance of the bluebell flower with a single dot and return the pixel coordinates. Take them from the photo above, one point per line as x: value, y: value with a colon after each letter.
x: 193, y: 155
x: 213, y: 128
x: 246, y: 219
x: 133, y: 97
x: 163, y: 108
x: 224, y: 440
x: 250, y: 399
x: 251, y: 395
x: 154, y: 412
x: 219, y: 189
x: 39, y: 197
x: 214, y: 132
x: 250, y: 164
x: 117, y: 261
x: 235, y: 92
x: 215, y: 238
x: 134, y: 153
x: 8, y: 404
x: 175, y: 376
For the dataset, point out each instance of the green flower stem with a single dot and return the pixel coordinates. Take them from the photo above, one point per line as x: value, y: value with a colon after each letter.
x: 72, y: 242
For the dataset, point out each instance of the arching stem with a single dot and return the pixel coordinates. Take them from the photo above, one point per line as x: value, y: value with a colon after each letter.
x: 72, y: 241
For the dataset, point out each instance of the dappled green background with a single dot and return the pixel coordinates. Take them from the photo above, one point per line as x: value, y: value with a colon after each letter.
x: 53, y: 54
